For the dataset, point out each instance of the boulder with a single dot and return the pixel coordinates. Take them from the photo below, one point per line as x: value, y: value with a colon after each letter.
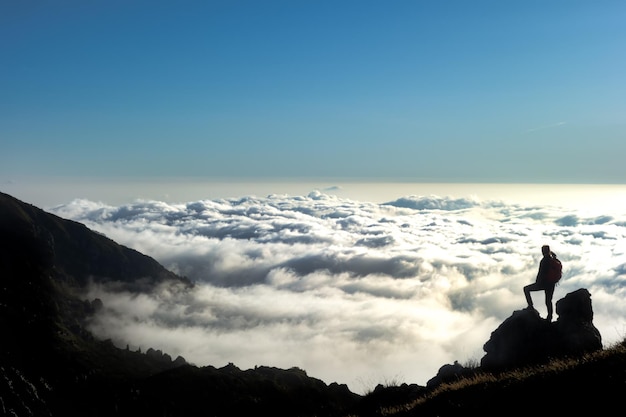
x: 575, y: 307
x: 574, y: 326
x: 525, y: 338
x: 447, y: 373
x: 521, y: 339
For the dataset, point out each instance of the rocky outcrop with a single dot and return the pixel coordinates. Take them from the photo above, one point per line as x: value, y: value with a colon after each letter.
x: 525, y: 338
x: 447, y: 373
x: 575, y: 324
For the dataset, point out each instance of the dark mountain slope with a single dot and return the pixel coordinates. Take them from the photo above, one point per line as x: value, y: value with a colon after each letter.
x: 50, y: 365
x: 71, y: 250
x: 44, y: 260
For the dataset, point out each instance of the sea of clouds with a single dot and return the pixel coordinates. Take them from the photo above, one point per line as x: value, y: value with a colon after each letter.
x: 350, y: 291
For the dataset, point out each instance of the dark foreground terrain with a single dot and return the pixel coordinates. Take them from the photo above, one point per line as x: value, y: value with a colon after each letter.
x: 50, y: 365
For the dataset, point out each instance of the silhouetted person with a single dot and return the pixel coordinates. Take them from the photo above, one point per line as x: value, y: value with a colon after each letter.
x: 542, y: 283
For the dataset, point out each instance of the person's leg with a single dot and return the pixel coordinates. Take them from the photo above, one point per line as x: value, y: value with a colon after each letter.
x: 549, y: 293
x: 527, y: 290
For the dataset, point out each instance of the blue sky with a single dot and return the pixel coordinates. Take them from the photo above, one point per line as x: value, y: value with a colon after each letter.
x: 484, y: 91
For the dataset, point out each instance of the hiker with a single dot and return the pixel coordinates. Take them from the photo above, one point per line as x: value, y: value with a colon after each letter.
x: 546, y: 279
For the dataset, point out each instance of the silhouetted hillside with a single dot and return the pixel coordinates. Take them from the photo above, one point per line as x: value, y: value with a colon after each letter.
x: 71, y: 251
x: 591, y: 383
x: 44, y: 261
x: 51, y: 365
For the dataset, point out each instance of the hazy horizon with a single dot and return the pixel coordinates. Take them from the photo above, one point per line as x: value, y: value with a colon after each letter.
x: 47, y: 192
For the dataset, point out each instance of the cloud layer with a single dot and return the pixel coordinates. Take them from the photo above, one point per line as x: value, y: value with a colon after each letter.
x: 352, y: 292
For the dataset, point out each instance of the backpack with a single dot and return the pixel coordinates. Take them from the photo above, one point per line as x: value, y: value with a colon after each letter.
x: 555, y: 270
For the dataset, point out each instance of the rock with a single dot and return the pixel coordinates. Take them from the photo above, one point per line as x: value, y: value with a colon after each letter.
x: 575, y: 327
x: 179, y: 361
x: 525, y: 338
x: 575, y: 306
x: 447, y: 373
x: 521, y: 339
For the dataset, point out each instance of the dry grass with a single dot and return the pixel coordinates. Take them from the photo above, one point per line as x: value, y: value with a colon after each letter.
x: 487, y: 379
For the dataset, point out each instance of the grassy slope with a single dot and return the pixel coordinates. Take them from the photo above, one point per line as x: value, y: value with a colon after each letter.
x: 569, y: 385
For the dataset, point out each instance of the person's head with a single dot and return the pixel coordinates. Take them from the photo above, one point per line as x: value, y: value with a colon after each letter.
x: 545, y: 249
